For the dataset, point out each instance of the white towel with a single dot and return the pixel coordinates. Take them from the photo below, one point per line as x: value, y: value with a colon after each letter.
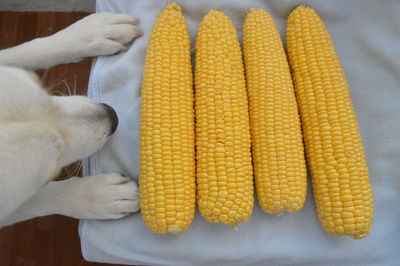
x: 367, y: 38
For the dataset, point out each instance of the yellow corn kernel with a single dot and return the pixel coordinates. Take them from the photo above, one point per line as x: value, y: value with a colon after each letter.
x: 224, y: 169
x: 334, y: 147
x: 277, y: 145
x: 167, y: 163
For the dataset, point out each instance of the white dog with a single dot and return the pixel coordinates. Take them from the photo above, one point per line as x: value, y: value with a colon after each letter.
x: 40, y: 133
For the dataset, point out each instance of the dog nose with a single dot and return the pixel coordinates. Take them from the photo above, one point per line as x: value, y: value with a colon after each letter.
x: 113, y: 116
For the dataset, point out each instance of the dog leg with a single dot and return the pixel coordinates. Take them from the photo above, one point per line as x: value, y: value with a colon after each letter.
x: 96, y: 34
x: 105, y: 196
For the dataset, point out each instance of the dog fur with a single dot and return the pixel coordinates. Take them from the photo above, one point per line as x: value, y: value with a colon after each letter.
x: 41, y: 133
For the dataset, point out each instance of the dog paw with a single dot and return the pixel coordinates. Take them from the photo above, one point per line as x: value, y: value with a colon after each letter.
x: 99, y: 34
x: 105, y: 196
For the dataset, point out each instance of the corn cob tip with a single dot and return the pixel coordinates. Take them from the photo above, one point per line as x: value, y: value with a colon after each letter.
x: 174, y: 7
x: 359, y: 236
x: 259, y: 15
x: 281, y: 213
x: 175, y: 229
x: 215, y: 17
x: 255, y: 10
x: 302, y: 11
x: 215, y: 13
x: 301, y: 8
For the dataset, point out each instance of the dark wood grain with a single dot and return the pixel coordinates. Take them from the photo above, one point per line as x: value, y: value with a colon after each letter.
x: 51, y: 240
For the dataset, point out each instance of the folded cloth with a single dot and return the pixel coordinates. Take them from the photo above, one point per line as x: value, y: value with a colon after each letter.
x: 367, y: 38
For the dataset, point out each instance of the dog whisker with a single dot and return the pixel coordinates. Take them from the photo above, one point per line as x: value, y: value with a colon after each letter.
x: 75, y: 82
x: 51, y: 88
x: 77, y: 167
x: 44, y: 76
x: 68, y: 87
x: 58, y: 93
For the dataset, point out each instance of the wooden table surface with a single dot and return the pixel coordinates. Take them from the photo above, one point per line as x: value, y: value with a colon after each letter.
x: 51, y: 240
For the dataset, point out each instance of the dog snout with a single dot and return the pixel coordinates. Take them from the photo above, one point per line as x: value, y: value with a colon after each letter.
x: 113, y: 117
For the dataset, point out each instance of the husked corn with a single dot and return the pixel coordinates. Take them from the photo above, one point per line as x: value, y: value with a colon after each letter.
x: 167, y: 163
x: 277, y: 144
x: 224, y: 169
x: 334, y: 147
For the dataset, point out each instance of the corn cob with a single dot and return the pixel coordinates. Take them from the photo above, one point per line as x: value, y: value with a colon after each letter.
x: 278, y: 154
x: 334, y: 147
x: 224, y: 170
x: 167, y: 162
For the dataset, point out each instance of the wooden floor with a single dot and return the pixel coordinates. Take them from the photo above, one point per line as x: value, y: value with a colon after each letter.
x: 50, y: 240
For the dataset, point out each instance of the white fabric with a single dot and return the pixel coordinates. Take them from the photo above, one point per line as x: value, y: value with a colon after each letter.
x: 367, y: 38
